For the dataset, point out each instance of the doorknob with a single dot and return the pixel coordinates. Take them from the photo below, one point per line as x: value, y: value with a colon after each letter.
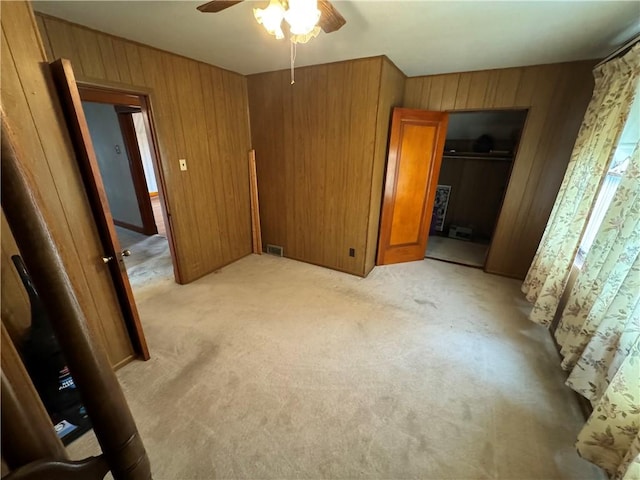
x: 124, y: 253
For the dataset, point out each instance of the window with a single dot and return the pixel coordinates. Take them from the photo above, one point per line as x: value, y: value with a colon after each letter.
x: 621, y: 157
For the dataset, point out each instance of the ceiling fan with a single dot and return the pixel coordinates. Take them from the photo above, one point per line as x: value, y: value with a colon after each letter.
x: 303, y: 16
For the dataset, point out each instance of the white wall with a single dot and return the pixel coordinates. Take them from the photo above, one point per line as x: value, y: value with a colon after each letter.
x: 145, y: 152
x: 113, y: 162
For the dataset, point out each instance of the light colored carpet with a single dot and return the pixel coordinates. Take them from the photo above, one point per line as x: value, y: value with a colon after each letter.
x: 272, y: 368
x: 458, y: 251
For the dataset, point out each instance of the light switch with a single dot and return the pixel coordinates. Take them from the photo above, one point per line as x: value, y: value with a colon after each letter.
x: 183, y: 164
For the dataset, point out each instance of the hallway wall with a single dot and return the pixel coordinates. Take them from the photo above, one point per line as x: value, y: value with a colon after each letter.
x: 113, y: 162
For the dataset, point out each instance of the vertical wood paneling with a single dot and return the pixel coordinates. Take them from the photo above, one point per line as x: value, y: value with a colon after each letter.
x: 315, y: 160
x: 14, y: 302
x: 239, y: 137
x: 108, y: 58
x: 412, y: 96
x: 264, y: 97
x: 176, y: 80
x: 508, y: 81
x: 462, y: 93
x: 45, y: 40
x: 134, y: 65
x: 525, y: 163
x: 556, y: 96
x: 310, y: 165
x: 59, y: 36
x: 200, y: 149
x: 47, y: 155
x: 334, y: 178
x: 492, y: 87
x: 478, y: 84
x: 88, y: 48
x: 477, y: 188
x: 390, y: 95
x: 450, y: 92
x: 217, y: 242
x: 210, y: 201
x: 552, y: 84
x: 436, y: 91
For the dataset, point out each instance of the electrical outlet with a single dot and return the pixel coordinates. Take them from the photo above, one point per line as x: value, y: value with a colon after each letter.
x: 183, y: 164
x: 352, y: 252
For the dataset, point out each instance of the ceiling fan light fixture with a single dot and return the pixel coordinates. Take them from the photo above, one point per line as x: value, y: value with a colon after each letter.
x: 271, y: 18
x: 302, y: 16
x: 305, y: 38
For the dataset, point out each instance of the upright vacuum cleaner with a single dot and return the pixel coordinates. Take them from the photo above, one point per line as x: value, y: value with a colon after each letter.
x: 48, y: 369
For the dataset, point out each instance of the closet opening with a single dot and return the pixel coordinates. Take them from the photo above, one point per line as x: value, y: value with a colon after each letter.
x: 478, y: 157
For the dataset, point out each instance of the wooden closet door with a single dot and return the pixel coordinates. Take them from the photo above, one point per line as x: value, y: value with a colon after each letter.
x: 415, y: 154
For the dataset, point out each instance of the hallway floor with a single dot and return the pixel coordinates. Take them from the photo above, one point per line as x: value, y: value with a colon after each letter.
x: 127, y: 237
x: 272, y: 368
x: 150, y: 261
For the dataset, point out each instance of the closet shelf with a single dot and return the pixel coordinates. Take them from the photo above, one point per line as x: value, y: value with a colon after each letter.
x: 503, y: 157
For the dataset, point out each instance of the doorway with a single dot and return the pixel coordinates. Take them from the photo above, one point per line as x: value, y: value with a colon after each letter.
x: 477, y: 160
x: 126, y: 155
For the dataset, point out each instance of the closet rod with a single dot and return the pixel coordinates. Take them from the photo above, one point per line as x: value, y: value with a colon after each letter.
x: 620, y: 51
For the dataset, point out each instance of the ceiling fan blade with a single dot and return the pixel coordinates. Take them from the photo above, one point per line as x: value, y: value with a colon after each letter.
x: 217, y: 5
x: 330, y: 18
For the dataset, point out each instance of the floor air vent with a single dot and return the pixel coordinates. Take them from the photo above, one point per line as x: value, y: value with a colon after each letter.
x: 275, y: 250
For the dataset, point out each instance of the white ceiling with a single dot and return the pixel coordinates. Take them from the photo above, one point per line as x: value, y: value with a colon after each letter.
x: 420, y: 37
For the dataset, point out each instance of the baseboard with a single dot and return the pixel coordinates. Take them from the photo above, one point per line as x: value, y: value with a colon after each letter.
x: 135, y: 228
x: 503, y: 274
x: 454, y: 262
x: 153, y: 194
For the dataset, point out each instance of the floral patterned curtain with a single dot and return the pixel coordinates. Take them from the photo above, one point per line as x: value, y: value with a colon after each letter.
x: 599, y: 329
x: 615, y: 86
x: 610, y: 437
x: 599, y: 333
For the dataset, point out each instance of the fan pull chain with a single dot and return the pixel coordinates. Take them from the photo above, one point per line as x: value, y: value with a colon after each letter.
x: 293, y: 61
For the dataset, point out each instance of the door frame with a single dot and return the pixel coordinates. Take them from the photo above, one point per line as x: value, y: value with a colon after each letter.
x: 67, y: 92
x: 513, y: 162
x: 128, y: 129
x: 125, y: 104
x: 140, y: 97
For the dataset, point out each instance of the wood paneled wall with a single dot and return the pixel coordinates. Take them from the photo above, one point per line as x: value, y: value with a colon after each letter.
x: 35, y: 118
x: 14, y: 302
x: 391, y: 92
x: 477, y: 189
x: 318, y: 144
x: 201, y: 115
x: 556, y: 96
x: 321, y: 160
